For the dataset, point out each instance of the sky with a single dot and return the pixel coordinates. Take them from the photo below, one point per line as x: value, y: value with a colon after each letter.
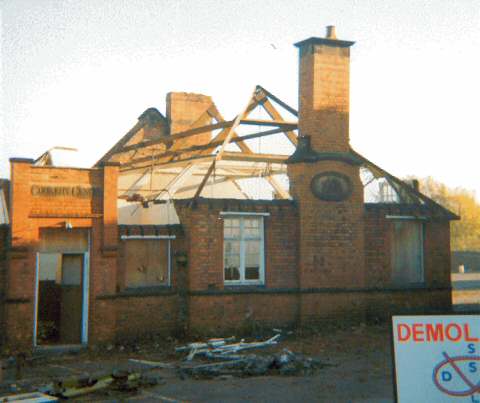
x: 79, y: 73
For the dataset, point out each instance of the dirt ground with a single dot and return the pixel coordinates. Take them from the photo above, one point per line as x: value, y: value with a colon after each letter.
x: 358, y: 368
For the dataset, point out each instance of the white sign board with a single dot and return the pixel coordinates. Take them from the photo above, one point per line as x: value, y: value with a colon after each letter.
x: 437, y: 358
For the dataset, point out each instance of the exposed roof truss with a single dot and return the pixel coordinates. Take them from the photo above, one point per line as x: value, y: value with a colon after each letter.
x: 193, y: 167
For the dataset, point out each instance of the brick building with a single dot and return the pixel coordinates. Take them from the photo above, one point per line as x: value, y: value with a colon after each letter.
x: 163, y: 235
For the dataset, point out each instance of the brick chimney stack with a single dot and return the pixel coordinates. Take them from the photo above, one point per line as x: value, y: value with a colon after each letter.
x: 324, y: 177
x: 324, y: 74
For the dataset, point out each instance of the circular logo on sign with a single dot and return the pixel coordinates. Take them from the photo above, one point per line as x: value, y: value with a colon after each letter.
x: 331, y: 186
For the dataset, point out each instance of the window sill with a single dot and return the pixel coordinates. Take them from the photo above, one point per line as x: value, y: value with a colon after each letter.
x: 243, y: 287
x: 407, y: 286
x: 141, y: 292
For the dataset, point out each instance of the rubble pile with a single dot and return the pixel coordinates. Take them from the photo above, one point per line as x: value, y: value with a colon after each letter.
x: 230, y: 363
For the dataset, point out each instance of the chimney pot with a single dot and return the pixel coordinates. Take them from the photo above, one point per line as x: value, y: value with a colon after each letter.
x: 331, y: 32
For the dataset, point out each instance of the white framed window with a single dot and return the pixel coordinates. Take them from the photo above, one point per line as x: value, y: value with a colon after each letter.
x: 243, y: 250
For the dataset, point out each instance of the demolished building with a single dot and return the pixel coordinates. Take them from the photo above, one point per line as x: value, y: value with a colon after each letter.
x: 163, y: 235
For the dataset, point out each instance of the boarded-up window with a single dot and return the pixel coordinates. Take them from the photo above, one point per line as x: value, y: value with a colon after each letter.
x: 146, y: 262
x: 407, y: 252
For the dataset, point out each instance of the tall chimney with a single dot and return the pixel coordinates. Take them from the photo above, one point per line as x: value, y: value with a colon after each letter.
x: 324, y: 74
x: 324, y: 178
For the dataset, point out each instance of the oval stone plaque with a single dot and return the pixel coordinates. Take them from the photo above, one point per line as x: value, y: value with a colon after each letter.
x: 331, y: 186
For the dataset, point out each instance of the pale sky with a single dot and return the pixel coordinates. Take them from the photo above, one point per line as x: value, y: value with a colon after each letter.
x: 78, y: 73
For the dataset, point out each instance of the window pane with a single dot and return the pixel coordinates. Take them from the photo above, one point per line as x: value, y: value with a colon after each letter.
x: 252, y: 259
x: 232, y: 228
x: 252, y: 227
x: 252, y: 247
x: 252, y: 273
x: 232, y: 247
x: 252, y: 233
x: 232, y: 260
x: 252, y: 222
x: 232, y: 273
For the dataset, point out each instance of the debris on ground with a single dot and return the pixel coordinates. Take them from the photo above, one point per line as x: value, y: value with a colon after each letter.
x: 119, y: 380
x: 218, y: 358
x: 28, y: 397
x: 219, y: 347
x: 231, y: 363
x: 284, y: 363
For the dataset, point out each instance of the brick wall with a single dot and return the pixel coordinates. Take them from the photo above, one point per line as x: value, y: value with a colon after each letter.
x: 142, y: 316
x: 329, y: 293
x: 324, y: 74
x: 437, y: 256
x: 204, y: 241
x: 331, y: 237
x: 378, y: 239
x: 33, y: 207
x: 378, y: 233
x: 237, y: 313
x: 239, y: 307
x: 198, y: 300
x: 186, y: 111
x: 4, y: 230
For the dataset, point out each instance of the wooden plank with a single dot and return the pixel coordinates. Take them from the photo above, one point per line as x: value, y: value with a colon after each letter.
x: 278, y: 188
x: 204, y: 180
x: 274, y: 114
x: 263, y: 122
x: 174, y: 184
x: 178, y: 135
x: 203, y: 129
x: 209, y: 146
x: 198, y: 159
x: 218, y: 116
x: 235, y: 183
x: 277, y: 100
x: 272, y: 158
x: 138, y: 180
x: 376, y: 170
x: 228, y: 137
x: 119, y: 145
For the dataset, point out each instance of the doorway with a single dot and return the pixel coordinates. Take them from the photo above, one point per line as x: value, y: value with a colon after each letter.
x: 61, y: 305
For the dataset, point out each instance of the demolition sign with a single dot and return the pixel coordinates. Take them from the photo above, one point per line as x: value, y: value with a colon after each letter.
x: 437, y: 358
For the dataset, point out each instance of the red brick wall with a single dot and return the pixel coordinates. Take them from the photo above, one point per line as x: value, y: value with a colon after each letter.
x: 331, y: 236
x: 214, y: 307
x: 378, y: 238
x: 214, y: 312
x: 141, y: 316
x: 383, y: 304
x: 30, y: 212
x: 198, y: 299
x: 324, y: 74
x: 204, y: 241
x: 185, y: 111
x: 236, y: 313
x: 378, y: 233
x: 437, y: 258
x: 3, y: 271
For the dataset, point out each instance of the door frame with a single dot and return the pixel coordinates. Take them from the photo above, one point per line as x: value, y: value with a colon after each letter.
x: 85, y: 295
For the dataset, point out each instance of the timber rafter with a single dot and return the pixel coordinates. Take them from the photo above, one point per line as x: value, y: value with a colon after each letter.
x: 164, y: 152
